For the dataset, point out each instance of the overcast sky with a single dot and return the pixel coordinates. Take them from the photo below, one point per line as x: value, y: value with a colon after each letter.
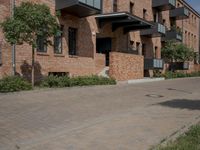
x: 195, y: 4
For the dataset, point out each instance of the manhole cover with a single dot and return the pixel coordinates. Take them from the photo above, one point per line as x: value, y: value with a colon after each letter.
x: 154, y: 96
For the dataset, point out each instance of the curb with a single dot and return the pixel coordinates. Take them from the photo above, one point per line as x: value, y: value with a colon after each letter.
x: 178, y: 133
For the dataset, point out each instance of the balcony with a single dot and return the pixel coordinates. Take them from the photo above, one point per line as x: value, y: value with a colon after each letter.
x: 156, y: 31
x: 80, y: 8
x: 179, y: 13
x: 151, y: 64
x: 163, y: 5
x: 172, y: 35
x: 124, y: 20
x: 179, y: 66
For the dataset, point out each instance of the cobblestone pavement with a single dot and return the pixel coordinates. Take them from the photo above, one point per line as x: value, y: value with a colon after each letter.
x: 122, y: 117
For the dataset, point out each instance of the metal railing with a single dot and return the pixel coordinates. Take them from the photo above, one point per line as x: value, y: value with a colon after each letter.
x: 92, y: 3
x: 173, y: 2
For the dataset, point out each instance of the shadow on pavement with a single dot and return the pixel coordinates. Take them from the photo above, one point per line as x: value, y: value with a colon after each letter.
x: 182, y: 104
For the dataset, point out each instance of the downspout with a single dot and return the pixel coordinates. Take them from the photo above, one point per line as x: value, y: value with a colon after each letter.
x: 13, y: 46
x: 182, y: 30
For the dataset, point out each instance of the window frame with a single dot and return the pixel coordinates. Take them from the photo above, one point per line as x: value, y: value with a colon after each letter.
x: 72, y: 47
x: 44, y: 46
x: 59, y: 37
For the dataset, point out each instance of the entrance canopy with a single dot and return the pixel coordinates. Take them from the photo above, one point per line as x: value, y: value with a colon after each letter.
x: 125, y: 20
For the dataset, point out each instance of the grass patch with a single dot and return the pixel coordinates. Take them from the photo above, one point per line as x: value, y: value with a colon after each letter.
x: 188, y: 141
x: 14, y: 84
x: 64, y: 81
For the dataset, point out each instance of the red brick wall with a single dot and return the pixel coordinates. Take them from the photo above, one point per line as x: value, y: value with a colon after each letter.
x: 126, y: 66
x: 99, y: 62
x: 87, y: 62
x: 5, y: 69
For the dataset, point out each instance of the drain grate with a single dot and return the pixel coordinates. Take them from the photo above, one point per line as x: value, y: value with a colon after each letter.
x: 154, y: 95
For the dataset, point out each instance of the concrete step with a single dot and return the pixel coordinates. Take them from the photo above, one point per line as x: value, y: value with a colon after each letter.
x: 104, y: 72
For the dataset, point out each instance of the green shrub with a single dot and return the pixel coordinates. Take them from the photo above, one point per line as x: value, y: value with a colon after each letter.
x: 64, y: 81
x: 13, y: 84
x: 55, y: 81
x: 173, y: 75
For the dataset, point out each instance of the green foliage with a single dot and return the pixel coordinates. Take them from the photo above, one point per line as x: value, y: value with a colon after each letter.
x: 189, y: 141
x: 177, y: 52
x: 174, y: 75
x: 13, y: 84
x: 29, y: 21
x: 64, y: 81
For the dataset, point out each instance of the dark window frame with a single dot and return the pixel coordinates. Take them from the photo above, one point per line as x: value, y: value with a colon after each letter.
x: 145, y: 14
x: 132, y: 8
x: 41, y: 44
x: 115, y: 5
x: 59, y: 37
x: 72, y: 40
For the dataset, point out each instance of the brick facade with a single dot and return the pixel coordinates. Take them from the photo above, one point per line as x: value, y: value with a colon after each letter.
x: 126, y: 66
x: 87, y: 61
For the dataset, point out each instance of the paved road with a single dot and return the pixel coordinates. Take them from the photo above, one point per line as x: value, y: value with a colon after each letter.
x: 123, y: 117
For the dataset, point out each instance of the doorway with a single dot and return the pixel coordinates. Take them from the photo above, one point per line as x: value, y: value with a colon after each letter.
x: 104, y: 46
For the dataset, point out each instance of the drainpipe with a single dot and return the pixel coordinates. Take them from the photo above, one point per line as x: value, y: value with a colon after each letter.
x: 182, y: 31
x: 13, y: 46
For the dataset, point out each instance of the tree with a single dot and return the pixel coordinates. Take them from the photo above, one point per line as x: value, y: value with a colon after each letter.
x: 177, y: 52
x: 29, y: 22
x: 174, y: 53
x: 168, y: 51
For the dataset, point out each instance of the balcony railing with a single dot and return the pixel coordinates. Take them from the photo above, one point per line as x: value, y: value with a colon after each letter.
x: 173, y: 35
x: 92, y: 3
x: 164, y: 4
x: 151, y: 64
x: 156, y: 31
x: 81, y: 8
x: 179, y: 13
x: 179, y: 66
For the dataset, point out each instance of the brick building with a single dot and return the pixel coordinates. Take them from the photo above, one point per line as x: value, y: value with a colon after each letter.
x: 122, y: 36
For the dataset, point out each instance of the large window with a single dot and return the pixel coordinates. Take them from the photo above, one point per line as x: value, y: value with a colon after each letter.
x: 41, y: 44
x: 72, y: 37
x: 58, y: 42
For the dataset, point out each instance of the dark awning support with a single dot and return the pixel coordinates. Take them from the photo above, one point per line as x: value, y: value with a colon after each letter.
x: 123, y: 20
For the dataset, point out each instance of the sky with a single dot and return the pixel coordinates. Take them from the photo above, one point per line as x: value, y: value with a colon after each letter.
x: 195, y: 4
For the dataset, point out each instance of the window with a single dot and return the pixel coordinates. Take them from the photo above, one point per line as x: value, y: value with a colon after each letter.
x: 144, y: 13
x: 155, y: 52
x: 41, y: 44
x: 132, y: 45
x: 192, y: 19
x: 164, y: 22
x: 155, y: 18
x: 195, y: 21
x: 138, y: 47
x: 72, y: 37
x: 186, y: 39
x: 189, y: 19
x: 131, y: 8
x: 58, y: 42
x: 115, y: 5
x: 144, y: 50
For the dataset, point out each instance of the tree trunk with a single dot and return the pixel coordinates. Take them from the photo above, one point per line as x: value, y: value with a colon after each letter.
x: 33, y: 67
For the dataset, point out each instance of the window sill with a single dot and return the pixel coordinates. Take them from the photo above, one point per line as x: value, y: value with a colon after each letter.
x: 42, y: 54
x: 73, y: 56
x: 59, y: 55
